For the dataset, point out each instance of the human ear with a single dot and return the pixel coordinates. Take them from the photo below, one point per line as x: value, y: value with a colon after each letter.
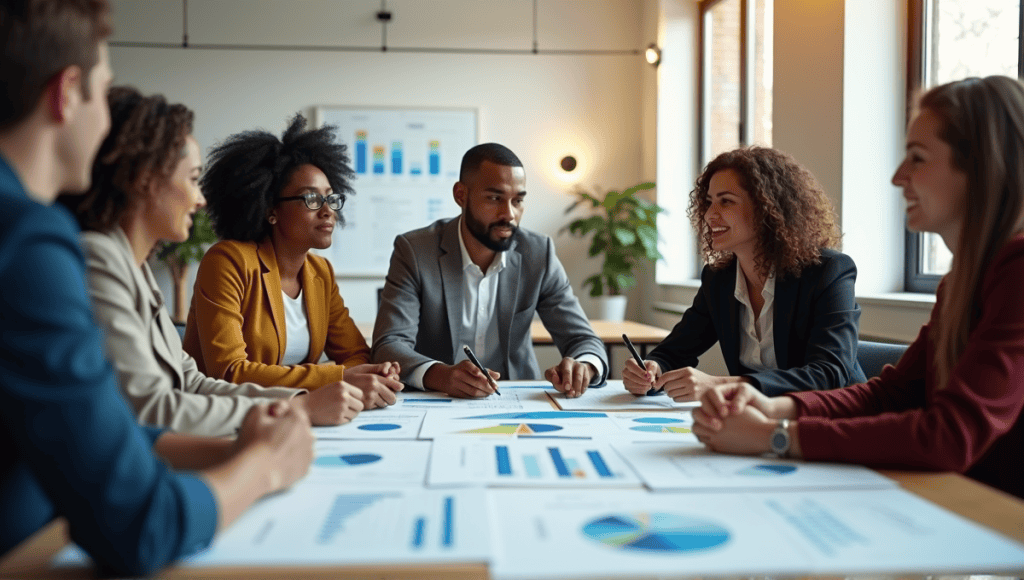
x: 460, y: 192
x: 64, y: 93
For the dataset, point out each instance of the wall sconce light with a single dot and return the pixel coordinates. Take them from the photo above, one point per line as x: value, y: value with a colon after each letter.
x: 653, y: 54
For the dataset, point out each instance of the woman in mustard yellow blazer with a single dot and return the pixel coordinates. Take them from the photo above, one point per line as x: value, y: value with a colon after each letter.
x: 264, y: 309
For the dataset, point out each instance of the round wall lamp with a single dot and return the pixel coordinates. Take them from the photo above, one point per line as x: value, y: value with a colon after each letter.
x: 653, y: 54
x: 568, y: 163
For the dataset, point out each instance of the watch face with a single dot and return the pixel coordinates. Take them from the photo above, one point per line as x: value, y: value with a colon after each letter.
x: 780, y: 441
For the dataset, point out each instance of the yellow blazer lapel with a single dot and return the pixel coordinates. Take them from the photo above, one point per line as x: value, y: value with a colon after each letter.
x: 272, y: 287
x: 314, y: 289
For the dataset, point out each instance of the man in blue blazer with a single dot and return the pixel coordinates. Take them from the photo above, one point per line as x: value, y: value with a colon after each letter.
x: 477, y: 280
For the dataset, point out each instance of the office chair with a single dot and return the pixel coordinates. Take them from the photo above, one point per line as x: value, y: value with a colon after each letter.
x: 872, y: 356
x: 181, y: 330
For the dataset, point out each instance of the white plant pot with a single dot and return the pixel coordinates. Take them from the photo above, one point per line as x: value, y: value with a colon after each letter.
x: 611, y: 308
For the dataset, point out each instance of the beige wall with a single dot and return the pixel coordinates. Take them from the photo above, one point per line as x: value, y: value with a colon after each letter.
x: 542, y: 106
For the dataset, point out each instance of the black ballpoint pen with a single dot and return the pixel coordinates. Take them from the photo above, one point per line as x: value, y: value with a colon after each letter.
x: 474, y: 360
x: 639, y: 361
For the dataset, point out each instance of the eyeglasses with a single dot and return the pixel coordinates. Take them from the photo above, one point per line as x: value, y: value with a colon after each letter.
x: 316, y: 201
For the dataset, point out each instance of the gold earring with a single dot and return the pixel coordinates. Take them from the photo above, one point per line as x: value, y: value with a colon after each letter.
x: 272, y: 220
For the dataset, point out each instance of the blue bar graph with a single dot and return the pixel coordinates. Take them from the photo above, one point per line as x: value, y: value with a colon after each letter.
x: 360, y: 151
x: 448, y: 524
x: 378, y: 159
x: 396, y: 157
x: 344, y: 507
x: 599, y: 464
x: 556, y: 458
x: 531, y: 465
x: 417, y: 532
x: 435, y: 158
x: 504, y: 467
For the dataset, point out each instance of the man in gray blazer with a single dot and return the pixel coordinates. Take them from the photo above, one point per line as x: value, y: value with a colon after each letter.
x: 476, y: 280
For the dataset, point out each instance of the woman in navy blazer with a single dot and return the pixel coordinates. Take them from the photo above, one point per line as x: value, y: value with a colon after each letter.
x: 774, y: 295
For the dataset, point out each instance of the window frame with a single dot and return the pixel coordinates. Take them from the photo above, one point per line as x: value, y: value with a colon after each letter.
x: 918, y: 14
x: 745, y: 100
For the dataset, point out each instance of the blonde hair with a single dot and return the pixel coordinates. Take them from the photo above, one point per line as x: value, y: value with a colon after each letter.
x: 982, y: 120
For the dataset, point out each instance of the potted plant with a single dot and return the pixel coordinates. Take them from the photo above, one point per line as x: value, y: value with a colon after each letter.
x: 180, y: 256
x: 624, y: 228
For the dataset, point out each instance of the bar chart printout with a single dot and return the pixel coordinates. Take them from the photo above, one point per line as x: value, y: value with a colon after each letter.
x: 527, y: 462
x: 341, y: 525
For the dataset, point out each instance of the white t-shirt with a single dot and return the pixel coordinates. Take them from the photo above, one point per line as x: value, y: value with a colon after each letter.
x: 296, y: 325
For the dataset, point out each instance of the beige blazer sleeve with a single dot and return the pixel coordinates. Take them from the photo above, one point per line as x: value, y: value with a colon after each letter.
x: 158, y: 379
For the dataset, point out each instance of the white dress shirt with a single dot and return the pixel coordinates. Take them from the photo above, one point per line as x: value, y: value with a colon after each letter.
x: 479, y: 317
x: 757, y: 341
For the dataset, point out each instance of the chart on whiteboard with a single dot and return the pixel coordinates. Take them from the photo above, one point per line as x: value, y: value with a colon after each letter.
x: 405, y: 161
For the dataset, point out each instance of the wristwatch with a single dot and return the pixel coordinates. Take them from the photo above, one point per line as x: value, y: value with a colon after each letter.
x: 779, y: 441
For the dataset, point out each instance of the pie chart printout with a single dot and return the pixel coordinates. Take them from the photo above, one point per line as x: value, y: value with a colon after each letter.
x: 347, y: 460
x: 379, y: 427
x: 656, y: 532
x: 767, y: 470
x: 660, y: 425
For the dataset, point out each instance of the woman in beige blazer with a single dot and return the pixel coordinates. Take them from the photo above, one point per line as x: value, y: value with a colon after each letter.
x: 145, y: 189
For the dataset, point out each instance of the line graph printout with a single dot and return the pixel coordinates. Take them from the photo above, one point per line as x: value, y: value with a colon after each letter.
x: 527, y: 462
x: 371, y: 463
x: 514, y: 399
x: 615, y: 533
x: 615, y: 397
x: 328, y: 524
x: 549, y: 424
x: 666, y: 466
x: 385, y: 423
x: 674, y: 427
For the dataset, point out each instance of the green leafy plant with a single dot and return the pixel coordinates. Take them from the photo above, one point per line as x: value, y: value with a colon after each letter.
x: 625, y: 231
x: 179, y: 256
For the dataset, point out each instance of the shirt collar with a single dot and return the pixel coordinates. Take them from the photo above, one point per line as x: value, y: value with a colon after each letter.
x: 496, y: 266
x: 740, y: 291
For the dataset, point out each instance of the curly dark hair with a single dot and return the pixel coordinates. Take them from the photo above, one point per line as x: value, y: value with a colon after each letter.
x: 146, y: 141
x: 793, y: 218
x: 248, y: 170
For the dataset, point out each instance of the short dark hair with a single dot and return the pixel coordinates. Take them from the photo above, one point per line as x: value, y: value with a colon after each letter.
x: 493, y: 152
x: 40, y: 38
x: 248, y: 170
x: 147, y: 138
x: 793, y: 218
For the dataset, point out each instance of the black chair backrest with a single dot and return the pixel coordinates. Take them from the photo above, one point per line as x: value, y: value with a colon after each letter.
x: 873, y: 356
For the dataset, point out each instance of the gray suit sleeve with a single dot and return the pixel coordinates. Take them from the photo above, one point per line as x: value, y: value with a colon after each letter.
x: 398, y: 320
x: 562, y: 315
x: 201, y: 406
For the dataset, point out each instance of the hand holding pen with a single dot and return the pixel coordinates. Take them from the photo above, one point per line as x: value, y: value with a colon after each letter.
x: 476, y: 362
x: 636, y: 376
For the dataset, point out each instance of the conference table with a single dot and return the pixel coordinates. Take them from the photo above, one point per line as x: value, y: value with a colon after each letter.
x: 959, y: 494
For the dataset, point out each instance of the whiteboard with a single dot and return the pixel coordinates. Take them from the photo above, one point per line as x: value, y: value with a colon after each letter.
x: 406, y: 161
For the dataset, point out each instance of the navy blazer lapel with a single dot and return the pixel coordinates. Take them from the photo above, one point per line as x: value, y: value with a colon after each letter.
x: 508, y: 295
x: 729, y: 336
x: 450, y: 264
x: 786, y: 294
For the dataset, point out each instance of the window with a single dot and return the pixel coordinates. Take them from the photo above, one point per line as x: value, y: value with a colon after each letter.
x: 736, y: 75
x: 733, y: 106
x: 951, y: 40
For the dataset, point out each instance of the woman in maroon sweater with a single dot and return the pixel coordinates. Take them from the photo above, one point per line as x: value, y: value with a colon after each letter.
x: 954, y: 400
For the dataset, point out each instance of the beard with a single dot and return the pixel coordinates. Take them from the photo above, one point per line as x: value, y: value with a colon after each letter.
x: 482, y: 233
